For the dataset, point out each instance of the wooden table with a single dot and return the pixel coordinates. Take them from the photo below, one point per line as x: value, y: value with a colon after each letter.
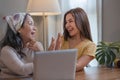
x: 98, y: 73
x: 94, y: 73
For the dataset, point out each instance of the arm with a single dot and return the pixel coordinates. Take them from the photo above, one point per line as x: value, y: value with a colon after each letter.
x: 10, y: 59
x: 88, y: 55
x: 83, y: 61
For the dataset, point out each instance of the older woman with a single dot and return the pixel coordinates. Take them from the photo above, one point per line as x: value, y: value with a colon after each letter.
x: 18, y: 46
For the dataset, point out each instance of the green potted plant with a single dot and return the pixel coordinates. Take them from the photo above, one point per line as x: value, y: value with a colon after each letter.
x: 106, y: 52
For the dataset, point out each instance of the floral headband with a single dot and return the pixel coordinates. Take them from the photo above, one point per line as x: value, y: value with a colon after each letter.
x: 15, y: 21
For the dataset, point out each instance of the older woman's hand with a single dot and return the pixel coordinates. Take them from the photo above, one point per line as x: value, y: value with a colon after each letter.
x: 35, y: 45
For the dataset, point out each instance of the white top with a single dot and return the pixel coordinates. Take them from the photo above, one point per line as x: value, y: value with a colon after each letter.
x: 11, y: 62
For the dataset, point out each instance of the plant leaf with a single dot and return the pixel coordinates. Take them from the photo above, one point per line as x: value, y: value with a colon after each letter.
x: 115, y: 48
x: 108, y: 58
x: 98, y: 55
x: 102, y: 60
x: 113, y: 56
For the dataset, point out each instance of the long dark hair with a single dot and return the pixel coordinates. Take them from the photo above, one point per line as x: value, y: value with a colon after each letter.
x: 13, y: 39
x: 81, y: 21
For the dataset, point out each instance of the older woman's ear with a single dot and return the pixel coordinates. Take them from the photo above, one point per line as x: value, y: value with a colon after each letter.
x: 19, y: 31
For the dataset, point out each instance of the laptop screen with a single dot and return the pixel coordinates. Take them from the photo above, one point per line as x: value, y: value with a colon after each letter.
x: 55, y: 65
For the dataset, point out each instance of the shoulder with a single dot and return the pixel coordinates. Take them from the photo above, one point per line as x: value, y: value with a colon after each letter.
x: 90, y: 45
x: 87, y: 44
x: 7, y: 50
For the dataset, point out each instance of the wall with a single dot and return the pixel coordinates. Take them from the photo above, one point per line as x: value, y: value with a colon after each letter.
x: 9, y: 7
x: 111, y: 20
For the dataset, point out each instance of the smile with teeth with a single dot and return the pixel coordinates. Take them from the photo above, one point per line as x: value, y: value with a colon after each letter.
x: 70, y: 30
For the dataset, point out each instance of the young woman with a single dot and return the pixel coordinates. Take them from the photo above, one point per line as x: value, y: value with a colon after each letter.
x: 18, y: 46
x: 77, y: 35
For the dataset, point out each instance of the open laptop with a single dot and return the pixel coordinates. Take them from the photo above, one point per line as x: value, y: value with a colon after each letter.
x: 55, y: 65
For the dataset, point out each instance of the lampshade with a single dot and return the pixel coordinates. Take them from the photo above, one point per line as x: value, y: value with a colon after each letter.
x: 46, y: 7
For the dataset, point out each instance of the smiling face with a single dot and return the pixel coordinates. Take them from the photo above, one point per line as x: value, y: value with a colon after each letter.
x: 71, y: 26
x: 28, y: 30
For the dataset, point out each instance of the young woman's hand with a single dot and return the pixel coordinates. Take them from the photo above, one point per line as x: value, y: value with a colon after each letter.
x: 52, y: 44
x: 58, y: 42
